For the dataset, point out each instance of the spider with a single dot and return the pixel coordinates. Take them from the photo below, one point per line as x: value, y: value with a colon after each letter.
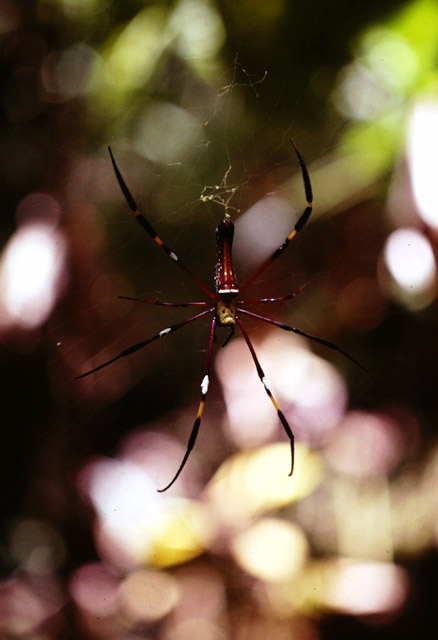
x: 222, y: 307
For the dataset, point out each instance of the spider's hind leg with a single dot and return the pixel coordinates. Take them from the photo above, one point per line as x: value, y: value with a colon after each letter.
x: 204, y: 389
x: 262, y: 377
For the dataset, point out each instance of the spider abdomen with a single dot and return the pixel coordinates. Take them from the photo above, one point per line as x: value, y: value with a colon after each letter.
x: 225, y: 278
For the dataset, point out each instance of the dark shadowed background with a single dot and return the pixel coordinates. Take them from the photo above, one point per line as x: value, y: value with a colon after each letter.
x: 198, y: 100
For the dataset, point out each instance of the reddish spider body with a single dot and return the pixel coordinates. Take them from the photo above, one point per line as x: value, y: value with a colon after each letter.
x: 222, y: 306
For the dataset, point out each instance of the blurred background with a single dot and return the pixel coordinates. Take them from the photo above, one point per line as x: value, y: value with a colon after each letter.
x: 198, y: 100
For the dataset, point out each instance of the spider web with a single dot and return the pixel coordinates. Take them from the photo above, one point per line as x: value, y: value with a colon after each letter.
x: 140, y: 269
x: 222, y: 172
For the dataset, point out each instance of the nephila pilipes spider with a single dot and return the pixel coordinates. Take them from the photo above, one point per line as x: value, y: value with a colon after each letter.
x: 222, y: 307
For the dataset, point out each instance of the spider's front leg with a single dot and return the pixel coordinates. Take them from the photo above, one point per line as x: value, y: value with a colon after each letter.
x: 146, y: 226
x: 298, y: 225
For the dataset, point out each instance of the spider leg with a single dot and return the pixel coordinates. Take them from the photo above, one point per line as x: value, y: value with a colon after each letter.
x: 204, y: 390
x: 149, y: 228
x: 299, y: 224
x: 289, y: 296
x: 262, y: 377
x: 167, y: 304
x: 288, y: 327
x: 144, y: 343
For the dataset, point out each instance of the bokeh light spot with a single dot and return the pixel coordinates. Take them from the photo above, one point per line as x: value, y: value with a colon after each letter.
x: 133, y: 55
x: 251, y: 419
x: 28, y: 604
x: 147, y: 596
x: 253, y: 482
x: 379, y: 77
x: 79, y: 9
x: 166, y: 133
x: 31, y: 270
x: 410, y: 261
x: 181, y: 534
x: 366, y: 445
x: 271, y: 550
x: 423, y: 158
x: 310, y: 390
x: 74, y: 70
x: 127, y: 504
x: 365, y: 588
x: 261, y: 229
x: 38, y: 207
x: 93, y: 587
x: 37, y: 546
x: 199, y: 29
